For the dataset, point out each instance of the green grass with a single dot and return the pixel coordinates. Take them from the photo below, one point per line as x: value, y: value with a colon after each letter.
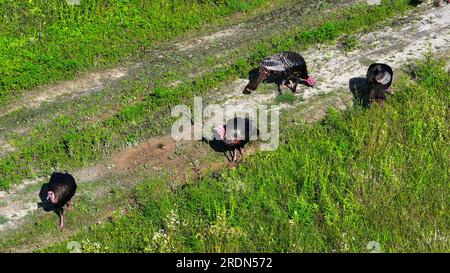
x: 366, y: 174
x: 286, y: 98
x: 44, y: 41
x: 67, y: 143
x: 349, y: 43
x: 3, y: 220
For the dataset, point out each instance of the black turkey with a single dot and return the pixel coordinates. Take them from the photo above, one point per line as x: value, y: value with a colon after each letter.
x: 379, y: 78
x: 61, y: 189
x: 289, y: 65
x: 235, y: 134
x: 438, y: 3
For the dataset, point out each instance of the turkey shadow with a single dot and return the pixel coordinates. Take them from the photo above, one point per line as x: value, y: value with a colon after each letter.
x: 360, y: 90
x: 415, y: 3
x: 45, y: 204
x: 217, y: 145
x: 276, y: 78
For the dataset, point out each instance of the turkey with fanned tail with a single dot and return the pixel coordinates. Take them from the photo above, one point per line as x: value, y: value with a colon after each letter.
x: 289, y: 65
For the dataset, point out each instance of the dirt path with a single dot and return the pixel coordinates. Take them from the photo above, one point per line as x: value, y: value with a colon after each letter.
x: 42, y: 105
x: 413, y: 36
x: 83, y: 85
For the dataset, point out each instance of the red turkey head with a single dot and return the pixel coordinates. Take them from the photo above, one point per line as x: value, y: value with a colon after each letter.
x: 220, y: 130
x: 389, y: 90
x: 311, y: 81
x: 51, y: 196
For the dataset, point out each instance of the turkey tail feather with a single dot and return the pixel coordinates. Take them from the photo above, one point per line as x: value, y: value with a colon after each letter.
x: 263, y: 73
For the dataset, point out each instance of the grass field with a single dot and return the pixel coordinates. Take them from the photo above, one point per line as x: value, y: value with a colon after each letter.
x: 68, y: 142
x: 345, y: 177
x: 45, y: 41
x: 361, y: 175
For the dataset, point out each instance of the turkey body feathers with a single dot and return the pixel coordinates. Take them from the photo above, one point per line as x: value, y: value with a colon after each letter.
x: 286, y: 62
x: 64, y: 187
x: 379, y: 73
x: 290, y: 65
x: 379, y: 78
x: 238, y: 132
x: 235, y: 134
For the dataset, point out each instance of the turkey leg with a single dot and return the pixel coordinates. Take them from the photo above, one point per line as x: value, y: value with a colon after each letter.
x: 61, y: 219
x: 294, y: 88
x: 235, y: 155
x: 241, y: 152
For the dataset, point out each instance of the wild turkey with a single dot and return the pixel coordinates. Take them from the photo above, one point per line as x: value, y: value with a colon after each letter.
x: 235, y: 134
x: 289, y: 65
x: 438, y: 3
x: 61, y: 189
x: 379, y: 77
